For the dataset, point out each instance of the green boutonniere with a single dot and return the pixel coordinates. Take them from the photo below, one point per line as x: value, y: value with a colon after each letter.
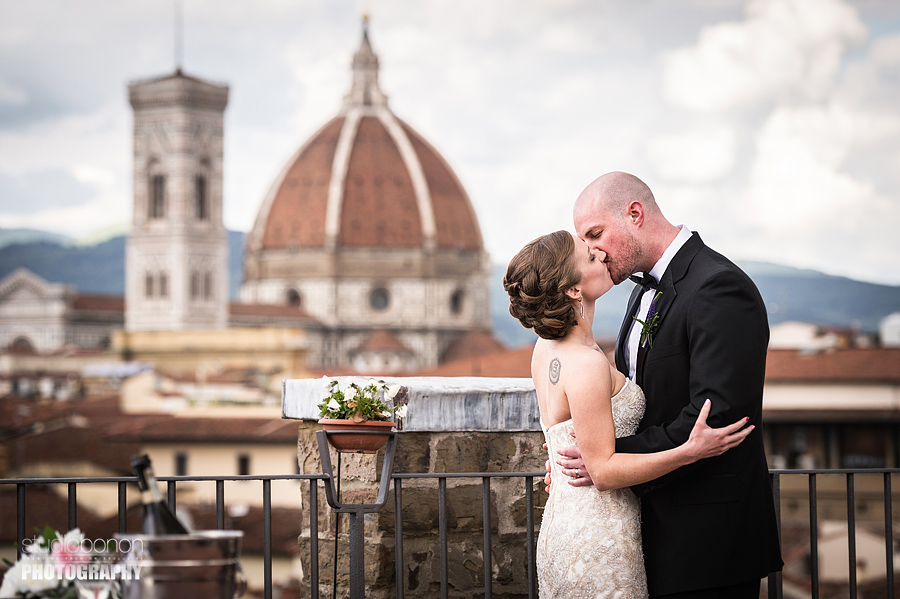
x: 649, y: 325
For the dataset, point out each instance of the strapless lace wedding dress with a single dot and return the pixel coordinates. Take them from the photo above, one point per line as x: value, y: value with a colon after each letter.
x: 590, y: 541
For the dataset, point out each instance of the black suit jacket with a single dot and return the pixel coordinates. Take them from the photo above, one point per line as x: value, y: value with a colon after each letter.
x: 711, y: 523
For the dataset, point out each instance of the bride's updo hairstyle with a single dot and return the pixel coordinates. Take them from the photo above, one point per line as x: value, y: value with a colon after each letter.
x: 537, y: 279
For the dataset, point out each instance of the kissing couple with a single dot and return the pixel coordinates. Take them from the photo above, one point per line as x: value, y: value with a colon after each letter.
x: 657, y: 474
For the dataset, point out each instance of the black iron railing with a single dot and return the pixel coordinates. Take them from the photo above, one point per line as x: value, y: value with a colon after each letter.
x: 171, y: 491
x: 775, y: 583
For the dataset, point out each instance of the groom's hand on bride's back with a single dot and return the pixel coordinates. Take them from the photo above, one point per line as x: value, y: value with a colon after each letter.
x: 573, y: 467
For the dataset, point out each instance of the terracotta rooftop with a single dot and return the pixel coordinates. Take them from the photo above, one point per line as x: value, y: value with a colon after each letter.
x: 870, y: 365
x: 43, y: 508
x: 237, y: 309
x: 106, y: 303
x: 453, y: 213
x: 162, y: 429
x: 19, y: 415
x: 507, y: 363
x: 296, y: 217
x: 382, y: 340
x: 68, y: 444
x: 472, y: 343
x: 379, y: 205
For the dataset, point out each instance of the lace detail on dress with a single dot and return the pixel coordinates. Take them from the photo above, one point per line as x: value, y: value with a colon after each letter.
x: 590, y: 541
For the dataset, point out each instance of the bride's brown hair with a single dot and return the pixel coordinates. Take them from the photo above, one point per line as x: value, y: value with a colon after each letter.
x: 537, y: 279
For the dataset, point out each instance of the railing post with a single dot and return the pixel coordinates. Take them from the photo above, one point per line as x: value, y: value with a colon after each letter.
x: 220, y: 504
x: 357, y: 539
x: 170, y: 492
x: 123, y: 507
x: 267, y: 538
x: 486, y: 519
x: 442, y: 534
x: 73, y: 507
x: 314, y: 538
x: 813, y: 537
x: 775, y: 581
x: 851, y: 533
x: 529, y: 535
x: 20, y: 517
x: 888, y: 534
x: 398, y: 536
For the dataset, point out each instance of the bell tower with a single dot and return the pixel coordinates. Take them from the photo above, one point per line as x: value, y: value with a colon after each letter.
x: 176, y: 275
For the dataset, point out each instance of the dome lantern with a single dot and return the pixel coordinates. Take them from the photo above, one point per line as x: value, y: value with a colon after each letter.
x: 365, y: 90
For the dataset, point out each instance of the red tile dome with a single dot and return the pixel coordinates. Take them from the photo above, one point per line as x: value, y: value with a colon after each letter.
x: 366, y: 180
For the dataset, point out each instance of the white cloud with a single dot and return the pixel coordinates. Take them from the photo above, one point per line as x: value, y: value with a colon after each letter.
x: 696, y: 155
x: 783, y: 49
x: 801, y: 208
x: 12, y: 95
x: 528, y: 101
x: 796, y: 178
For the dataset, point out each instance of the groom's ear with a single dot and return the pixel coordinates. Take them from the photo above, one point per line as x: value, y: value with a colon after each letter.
x: 635, y: 213
x: 573, y: 293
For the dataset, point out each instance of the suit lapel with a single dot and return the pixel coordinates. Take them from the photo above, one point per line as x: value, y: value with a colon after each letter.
x: 622, y: 340
x: 676, y: 271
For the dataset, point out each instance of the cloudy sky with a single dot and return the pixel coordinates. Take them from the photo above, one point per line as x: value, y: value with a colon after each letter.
x: 770, y: 126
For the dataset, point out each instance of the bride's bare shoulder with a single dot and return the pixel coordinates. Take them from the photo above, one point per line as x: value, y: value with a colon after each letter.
x: 566, y: 358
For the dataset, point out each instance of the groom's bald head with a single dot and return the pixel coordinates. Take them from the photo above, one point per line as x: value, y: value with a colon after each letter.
x: 617, y: 214
x: 612, y: 194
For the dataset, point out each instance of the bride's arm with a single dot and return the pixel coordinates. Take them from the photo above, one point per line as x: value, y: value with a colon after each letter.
x: 591, y: 409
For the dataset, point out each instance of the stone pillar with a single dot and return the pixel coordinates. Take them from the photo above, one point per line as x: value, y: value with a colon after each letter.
x: 453, y: 425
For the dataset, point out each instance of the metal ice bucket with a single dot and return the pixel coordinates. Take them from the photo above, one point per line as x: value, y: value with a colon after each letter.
x: 203, y: 564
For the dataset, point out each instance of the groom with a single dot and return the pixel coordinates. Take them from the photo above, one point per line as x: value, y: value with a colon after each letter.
x: 695, y: 329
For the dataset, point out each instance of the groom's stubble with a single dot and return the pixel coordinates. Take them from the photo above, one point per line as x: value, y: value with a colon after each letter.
x: 624, y: 260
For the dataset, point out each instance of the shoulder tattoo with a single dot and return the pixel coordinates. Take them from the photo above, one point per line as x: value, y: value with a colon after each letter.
x: 555, y: 366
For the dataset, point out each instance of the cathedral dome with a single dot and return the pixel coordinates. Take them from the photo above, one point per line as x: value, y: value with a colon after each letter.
x: 368, y: 229
x: 366, y: 180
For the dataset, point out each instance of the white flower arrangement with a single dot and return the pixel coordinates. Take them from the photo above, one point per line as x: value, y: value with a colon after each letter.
x: 360, y: 402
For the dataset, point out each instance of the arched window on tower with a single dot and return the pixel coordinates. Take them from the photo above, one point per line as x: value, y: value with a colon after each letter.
x: 163, y: 285
x: 457, y: 300
x: 195, y: 285
x: 157, y: 197
x: 294, y: 298
x: 201, y: 201
x: 207, y: 286
x: 148, y: 285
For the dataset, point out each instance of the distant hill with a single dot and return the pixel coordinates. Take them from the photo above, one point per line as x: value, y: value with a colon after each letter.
x: 98, y: 268
x: 789, y: 293
x: 13, y: 236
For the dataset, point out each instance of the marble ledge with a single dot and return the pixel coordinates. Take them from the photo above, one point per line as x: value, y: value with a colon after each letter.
x: 436, y: 403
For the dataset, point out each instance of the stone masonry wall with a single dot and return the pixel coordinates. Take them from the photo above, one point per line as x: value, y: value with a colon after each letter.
x: 431, y: 452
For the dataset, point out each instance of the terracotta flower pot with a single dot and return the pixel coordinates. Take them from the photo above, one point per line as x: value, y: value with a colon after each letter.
x: 350, y: 443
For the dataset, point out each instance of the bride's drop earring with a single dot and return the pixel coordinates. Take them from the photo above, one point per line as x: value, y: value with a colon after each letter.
x: 581, y: 303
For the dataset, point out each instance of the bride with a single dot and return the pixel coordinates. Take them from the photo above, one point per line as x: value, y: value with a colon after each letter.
x: 590, y: 538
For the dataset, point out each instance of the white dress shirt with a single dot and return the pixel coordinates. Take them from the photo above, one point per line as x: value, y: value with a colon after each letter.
x: 657, y: 272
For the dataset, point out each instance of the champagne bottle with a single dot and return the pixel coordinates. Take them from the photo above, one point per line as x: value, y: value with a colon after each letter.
x: 158, y: 518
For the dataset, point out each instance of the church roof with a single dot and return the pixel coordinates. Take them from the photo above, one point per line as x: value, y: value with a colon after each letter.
x: 366, y: 179
x: 472, y: 343
x: 382, y: 340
